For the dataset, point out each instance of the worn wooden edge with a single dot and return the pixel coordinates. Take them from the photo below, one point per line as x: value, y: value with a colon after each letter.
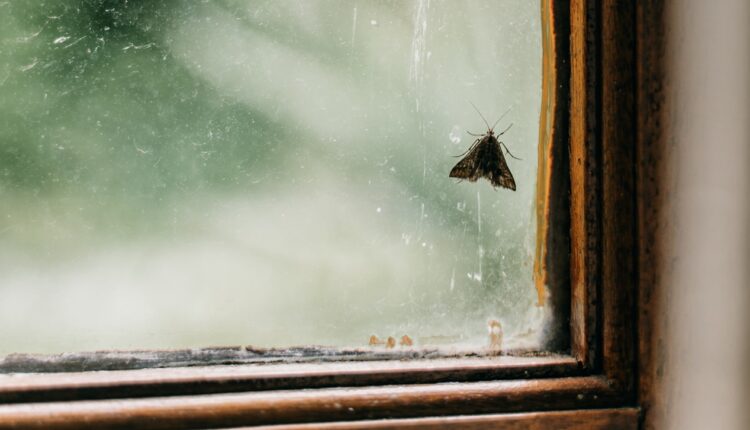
x: 27, y: 388
x: 585, y: 179
x: 543, y: 177
x: 320, y: 405
x: 655, y: 176
x: 551, y: 261
x: 618, y: 137
x: 587, y: 419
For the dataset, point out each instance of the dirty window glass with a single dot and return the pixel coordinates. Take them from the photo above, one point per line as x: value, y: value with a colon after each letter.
x: 274, y: 173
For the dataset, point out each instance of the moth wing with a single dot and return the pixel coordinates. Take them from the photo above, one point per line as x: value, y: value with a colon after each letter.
x: 467, y: 168
x: 500, y: 175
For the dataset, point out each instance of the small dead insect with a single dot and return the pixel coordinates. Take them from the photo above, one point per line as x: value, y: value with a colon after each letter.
x: 485, y: 159
x: 374, y: 340
x: 406, y: 341
x: 390, y: 343
x: 495, y: 330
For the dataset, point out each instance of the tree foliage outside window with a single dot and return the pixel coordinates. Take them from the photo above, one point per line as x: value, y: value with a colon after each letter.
x: 263, y: 172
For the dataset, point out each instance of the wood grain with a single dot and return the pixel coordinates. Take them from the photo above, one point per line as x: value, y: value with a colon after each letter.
x: 585, y: 181
x: 300, y: 406
x: 618, y: 138
x: 602, y: 419
x: 39, y: 387
x: 655, y: 175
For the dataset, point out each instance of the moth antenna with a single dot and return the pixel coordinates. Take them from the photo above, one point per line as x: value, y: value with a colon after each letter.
x: 480, y: 114
x: 506, y: 150
x: 506, y: 129
x: 501, y: 117
x: 473, y: 134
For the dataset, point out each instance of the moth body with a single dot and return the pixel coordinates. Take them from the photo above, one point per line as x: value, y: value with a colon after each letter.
x: 485, y: 159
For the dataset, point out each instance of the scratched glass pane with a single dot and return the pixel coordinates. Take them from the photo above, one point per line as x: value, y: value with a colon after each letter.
x: 268, y: 173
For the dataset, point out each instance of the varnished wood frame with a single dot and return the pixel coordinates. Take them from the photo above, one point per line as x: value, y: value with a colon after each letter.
x: 596, y: 120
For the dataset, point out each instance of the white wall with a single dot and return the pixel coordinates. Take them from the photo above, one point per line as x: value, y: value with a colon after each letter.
x: 708, y: 316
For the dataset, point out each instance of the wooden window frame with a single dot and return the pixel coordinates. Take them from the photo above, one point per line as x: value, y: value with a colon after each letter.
x: 592, y: 126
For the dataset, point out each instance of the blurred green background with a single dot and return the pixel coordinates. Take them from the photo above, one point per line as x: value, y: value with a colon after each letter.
x: 272, y: 173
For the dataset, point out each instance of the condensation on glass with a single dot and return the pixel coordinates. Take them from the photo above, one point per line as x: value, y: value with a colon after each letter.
x: 271, y: 173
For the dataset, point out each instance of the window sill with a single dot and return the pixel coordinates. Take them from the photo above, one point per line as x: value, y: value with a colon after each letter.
x: 174, y: 381
x: 301, y: 406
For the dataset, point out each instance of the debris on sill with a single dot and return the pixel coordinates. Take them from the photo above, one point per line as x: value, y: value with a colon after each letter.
x: 389, y: 348
x: 374, y: 341
x: 390, y: 342
x: 406, y: 341
x: 495, y: 330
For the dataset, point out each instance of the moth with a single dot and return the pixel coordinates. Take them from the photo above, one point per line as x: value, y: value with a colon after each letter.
x: 485, y: 159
